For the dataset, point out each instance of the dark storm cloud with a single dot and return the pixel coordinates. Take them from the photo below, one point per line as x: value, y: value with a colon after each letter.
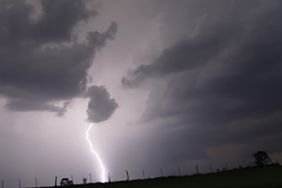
x: 25, y: 105
x: 42, y: 60
x: 216, y: 27
x: 101, y: 105
x: 187, y: 54
x: 225, y: 83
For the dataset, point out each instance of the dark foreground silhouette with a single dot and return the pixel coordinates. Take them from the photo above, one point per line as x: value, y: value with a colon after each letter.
x: 268, y: 177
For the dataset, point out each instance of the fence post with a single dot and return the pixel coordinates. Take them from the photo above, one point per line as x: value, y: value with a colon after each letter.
x: 90, y: 178
x: 56, y: 178
x: 197, y: 169
x: 20, y: 184
x: 109, y: 177
x: 162, y: 173
x: 211, y: 168
x: 36, y: 183
x: 127, y: 175
x: 178, y: 170
x: 72, y: 179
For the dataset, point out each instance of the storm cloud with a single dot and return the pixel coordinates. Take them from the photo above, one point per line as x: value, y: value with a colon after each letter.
x: 101, y: 105
x: 44, y: 61
x: 223, y: 82
x: 184, y: 82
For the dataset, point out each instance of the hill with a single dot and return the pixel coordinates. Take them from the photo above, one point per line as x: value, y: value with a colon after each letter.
x: 248, y: 177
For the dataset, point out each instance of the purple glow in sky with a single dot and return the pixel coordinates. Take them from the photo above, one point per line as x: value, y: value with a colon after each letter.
x: 167, y: 84
x: 98, y: 159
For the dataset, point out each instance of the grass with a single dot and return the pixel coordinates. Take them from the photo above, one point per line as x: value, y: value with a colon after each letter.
x: 268, y: 177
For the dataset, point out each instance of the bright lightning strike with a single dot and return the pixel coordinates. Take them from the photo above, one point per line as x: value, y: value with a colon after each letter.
x: 96, y: 155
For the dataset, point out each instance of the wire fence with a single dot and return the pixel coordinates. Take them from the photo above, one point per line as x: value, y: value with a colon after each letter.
x: 63, y: 180
x: 127, y: 176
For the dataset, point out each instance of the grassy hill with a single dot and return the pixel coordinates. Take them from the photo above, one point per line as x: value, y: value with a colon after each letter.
x: 248, y: 177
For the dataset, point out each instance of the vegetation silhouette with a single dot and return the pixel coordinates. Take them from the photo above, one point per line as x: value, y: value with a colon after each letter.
x: 66, y: 182
x: 262, y: 159
x: 247, y: 177
x: 260, y: 173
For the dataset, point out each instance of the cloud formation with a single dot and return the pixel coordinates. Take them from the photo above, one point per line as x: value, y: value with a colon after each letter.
x: 43, y: 61
x: 223, y: 83
x: 101, y: 105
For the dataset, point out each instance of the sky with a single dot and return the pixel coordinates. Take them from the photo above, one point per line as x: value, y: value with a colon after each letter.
x: 166, y: 84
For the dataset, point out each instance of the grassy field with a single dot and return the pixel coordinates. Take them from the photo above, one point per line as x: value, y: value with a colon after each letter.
x: 249, y: 177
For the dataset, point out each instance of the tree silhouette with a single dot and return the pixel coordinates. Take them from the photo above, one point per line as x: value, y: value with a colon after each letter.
x: 261, y: 158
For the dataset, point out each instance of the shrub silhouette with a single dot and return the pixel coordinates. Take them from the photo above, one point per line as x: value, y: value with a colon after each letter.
x: 66, y: 182
x: 261, y: 158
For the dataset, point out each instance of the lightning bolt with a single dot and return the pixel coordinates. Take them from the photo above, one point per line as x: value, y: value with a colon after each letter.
x: 96, y: 155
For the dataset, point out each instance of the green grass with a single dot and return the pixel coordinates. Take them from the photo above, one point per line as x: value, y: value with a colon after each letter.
x: 268, y: 177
